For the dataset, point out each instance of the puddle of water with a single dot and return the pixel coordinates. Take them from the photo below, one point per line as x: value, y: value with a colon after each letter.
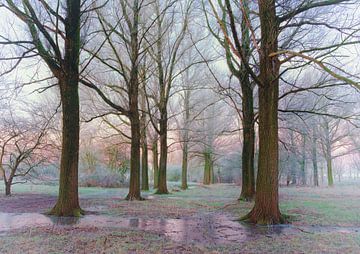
x: 206, y: 229
x: 209, y: 229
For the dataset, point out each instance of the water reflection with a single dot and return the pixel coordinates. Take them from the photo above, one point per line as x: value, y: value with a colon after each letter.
x: 211, y: 228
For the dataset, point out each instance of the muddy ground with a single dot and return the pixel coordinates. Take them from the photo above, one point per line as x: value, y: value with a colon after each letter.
x: 200, y: 220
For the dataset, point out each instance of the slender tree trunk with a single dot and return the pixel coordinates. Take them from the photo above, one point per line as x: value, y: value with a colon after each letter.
x: 144, y: 145
x: 207, y: 168
x: 266, y: 209
x: 212, y: 170
x: 155, y: 154
x: 162, y: 188
x: 144, y: 167
x: 293, y: 161
x: 185, y: 144
x: 248, y: 151
x: 184, y: 167
x: 314, y: 160
x: 303, y: 162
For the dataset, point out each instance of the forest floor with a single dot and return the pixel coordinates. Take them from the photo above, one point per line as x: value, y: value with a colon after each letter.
x: 203, y: 219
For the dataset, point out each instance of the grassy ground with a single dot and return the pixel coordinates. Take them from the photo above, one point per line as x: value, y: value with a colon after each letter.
x: 324, y: 220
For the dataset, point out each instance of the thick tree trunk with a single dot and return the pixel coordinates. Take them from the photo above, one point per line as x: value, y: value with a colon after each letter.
x: 162, y: 187
x: 184, y: 166
x: 155, y: 154
x: 266, y: 209
x: 208, y: 169
x: 134, y: 188
x: 134, y: 117
x: 68, y: 199
x: 329, y: 171
x: 7, y: 188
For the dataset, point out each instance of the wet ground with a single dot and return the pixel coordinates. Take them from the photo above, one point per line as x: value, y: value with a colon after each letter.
x: 208, y: 219
x: 209, y: 228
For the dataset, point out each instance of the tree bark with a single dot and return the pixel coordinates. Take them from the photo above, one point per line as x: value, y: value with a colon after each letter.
x: 144, y: 167
x: 303, y: 161
x: 314, y: 159
x: 266, y: 209
x: 208, y: 169
x: 68, y: 199
x: 162, y: 185
x: 248, y: 151
x: 293, y: 162
x: 144, y: 145
x: 155, y: 154
x: 184, y: 166
x: 7, y: 188
x: 185, y: 143
x: 134, y: 117
x: 329, y: 171
x: 134, y: 188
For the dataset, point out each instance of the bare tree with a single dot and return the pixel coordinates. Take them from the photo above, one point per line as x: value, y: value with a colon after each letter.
x: 54, y: 36
x: 166, y: 51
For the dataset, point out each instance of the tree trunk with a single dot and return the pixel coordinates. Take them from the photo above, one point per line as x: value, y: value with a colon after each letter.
x: 248, y: 121
x: 133, y: 93
x: 303, y: 162
x: 144, y: 147
x: 293, y: 162
x: 248, y: 152
x: 184, y: 166
x: 134, y: 188
x: 162, y: 188
x: 68, y: 199
x: 266, y: 209
x: 185, y: 136
x: 314, y: 160
x: 329, y: 171
x: 208, y: 174
x: 7, y: 188
x: 144, y: 167
x: 155, y: 154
